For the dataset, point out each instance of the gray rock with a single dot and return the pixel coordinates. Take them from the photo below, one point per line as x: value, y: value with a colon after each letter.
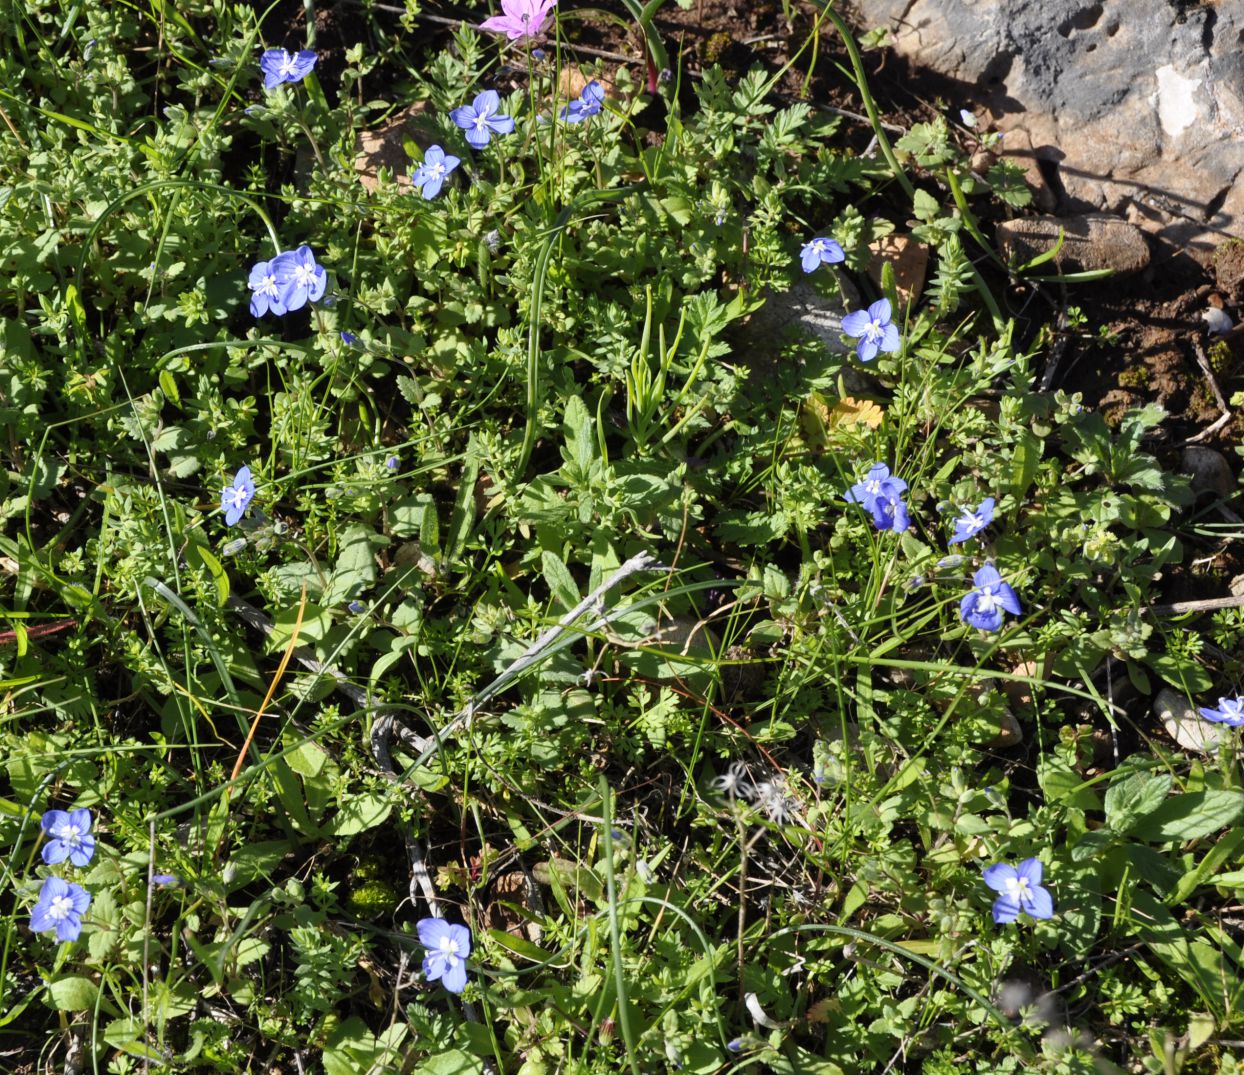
x: 1089, y: 241
x: 803, y: 310
x: 1184, y: 724
x: 1010, y: 734
x: 1136, y: 105
x: 1209, y: 470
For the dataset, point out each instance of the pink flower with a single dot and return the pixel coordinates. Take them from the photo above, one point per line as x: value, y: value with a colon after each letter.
x: 521, y: 18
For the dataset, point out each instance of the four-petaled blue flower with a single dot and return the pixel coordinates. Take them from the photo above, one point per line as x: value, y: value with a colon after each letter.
x: 971, y: 523
x: 280, y: 66
x: 300, y: 277
x: 872, y: 327
x: 430, y: 175
x: 1230, y: 711
x: 268, y: 290
x: 589, y: 103
x: 983, y: 607
x: 820, y: 252
x: 69, y: 837
x: 482, y: 118
x: 61, y: 907
x: 448, y: 946
x: 1020, y: 890
x: 880, y: 494
x: 520, y: 18
x: 236, y: 497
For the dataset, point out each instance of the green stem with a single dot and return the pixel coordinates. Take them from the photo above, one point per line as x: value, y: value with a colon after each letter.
x: 615, y: 931
x: 870, y: 106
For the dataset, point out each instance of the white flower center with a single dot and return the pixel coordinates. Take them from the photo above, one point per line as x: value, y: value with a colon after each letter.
x: 303, y: 276
x: 60, y: 909
x: 436, y: 171
x: 448, y: 948
x: 873, y: 486
x: 268, y: 286
x: 874, y: 331
x: 1017, y: 888
x: 287, y: 66
x: 480, y: 120
x: 973, y: 522
x: 236, y: 497
x: 987, y: 602
x: 70, y: 834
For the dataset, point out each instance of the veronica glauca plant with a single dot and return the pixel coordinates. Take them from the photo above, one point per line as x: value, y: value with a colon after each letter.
x: 970, y: 523
x: 873, y: 328
x: 482, y: 118
x: 983, y: 607
x: 448, y: 946
x: 69, y: 837
x: 1020, y: 890
x: 279, y: 66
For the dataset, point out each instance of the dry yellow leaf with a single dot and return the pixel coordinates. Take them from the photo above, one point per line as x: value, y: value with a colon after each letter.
x: 848, y: 411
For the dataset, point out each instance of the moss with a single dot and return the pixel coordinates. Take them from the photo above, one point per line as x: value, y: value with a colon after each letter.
x: 1136, y: 377
x: 371, y: 899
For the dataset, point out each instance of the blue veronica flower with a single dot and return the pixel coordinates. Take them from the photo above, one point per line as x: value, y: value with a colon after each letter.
x: 280, y: 66
x: 880, y: 494
x: 349, y: 339
x: 448, y: 945
x: 820, y: 252
x: 971, y: 523
x: 357, y: 607
x: 874, y: 330
x: 392, y: 463
x: 589, y: 103
x: 983, y: 607
x: 69, y: 837
x: 236, y: 497
x: 482, y: 118
x: 60, y: 907
x: 163, y: 880
x: 268, y: 289
x: 1230, y: 711
x: 299, y: 277
x: 430, y: 175
x: 1020, y: 890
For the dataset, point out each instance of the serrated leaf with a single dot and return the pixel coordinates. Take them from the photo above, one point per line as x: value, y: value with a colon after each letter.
x: 1130, y: 800
x: 105, y: 916
x: 1192, y: 816
x: 559, y: 579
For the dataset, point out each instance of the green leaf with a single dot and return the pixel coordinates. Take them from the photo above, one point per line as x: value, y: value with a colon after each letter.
x: 105, y: 916
x: 454, y: 1062
x: 73, y: 994
x: 1130, y: 800
x: 560, y: 581
x: 220, y: 578
x: 1192, y: 816
x: 358, y: 813
x: 356, y: 564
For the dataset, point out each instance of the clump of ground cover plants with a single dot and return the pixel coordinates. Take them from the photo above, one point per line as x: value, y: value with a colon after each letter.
x: 448, y: 631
